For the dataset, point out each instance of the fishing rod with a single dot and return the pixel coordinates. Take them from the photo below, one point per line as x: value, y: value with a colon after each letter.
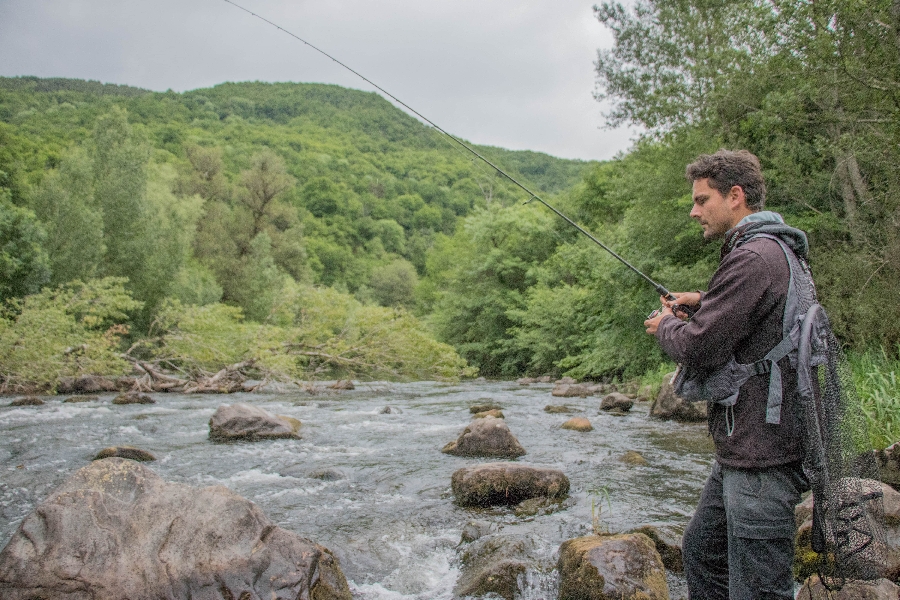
x: 660, y: 289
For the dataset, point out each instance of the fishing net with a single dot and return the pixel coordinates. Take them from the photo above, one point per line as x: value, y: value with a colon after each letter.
x: 848, y: 511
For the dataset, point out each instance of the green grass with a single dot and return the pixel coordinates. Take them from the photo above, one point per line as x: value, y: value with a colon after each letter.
x: 877, y: 378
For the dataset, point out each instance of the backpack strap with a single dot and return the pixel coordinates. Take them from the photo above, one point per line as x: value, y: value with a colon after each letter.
x: 788, y: 343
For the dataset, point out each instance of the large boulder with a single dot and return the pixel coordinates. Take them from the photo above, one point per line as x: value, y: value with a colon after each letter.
x: 611, y: 567
x: 889, y: 465
x: 245, y: 422
x: 487, y: 437
x: 668, y: 546
x: 494, y: 564
x: 116, y: 530
x: 668, y: 406
x: 506, y: 483
x: 806, y: 561
x: 882, y: 589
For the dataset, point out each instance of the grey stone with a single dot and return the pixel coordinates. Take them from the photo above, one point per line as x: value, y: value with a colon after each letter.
x: 668, y: 406
x: 506, y: 483
x: 245, y: 422
x: 487, y: 437
x: 116, y: 530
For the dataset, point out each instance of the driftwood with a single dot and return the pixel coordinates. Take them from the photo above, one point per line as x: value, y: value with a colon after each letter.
x: 228, y: 380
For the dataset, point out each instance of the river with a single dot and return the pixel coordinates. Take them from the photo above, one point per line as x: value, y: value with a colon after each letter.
x: 387, y: 510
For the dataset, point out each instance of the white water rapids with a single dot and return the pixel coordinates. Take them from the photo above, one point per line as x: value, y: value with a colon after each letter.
x: 386, y: 510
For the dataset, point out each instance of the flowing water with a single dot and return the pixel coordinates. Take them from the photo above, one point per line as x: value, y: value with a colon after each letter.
x: 385, y: 507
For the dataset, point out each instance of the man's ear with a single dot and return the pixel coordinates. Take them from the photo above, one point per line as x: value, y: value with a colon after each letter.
x: 736, y: 198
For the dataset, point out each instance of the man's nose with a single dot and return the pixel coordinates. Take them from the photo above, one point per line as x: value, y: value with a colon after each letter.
x: 695, y: 212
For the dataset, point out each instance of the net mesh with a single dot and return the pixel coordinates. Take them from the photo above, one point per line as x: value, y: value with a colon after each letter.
x: 848, y: 511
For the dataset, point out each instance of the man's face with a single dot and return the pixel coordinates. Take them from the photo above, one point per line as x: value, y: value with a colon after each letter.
x: 712, y: 210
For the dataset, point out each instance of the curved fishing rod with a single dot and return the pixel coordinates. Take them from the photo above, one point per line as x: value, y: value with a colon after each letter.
x: 660, y: 289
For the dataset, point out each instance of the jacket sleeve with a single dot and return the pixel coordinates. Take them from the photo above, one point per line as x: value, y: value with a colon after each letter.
x: 728, y: 313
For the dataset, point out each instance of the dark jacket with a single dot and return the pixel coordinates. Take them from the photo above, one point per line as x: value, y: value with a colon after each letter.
x: 741, y: 314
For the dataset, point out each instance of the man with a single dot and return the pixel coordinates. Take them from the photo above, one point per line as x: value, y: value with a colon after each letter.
x: 740, y: 542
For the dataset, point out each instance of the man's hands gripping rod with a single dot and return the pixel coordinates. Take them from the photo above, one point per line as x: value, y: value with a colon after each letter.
x: 680, y: 304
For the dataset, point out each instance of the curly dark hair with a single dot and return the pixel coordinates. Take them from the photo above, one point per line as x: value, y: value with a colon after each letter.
x: 728, y: 168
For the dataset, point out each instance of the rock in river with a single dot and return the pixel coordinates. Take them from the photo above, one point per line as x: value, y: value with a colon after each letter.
x: 506, y: 483
x: 133, y: 398
x: 616, y: 401
x: 611, y: 567
x: 668, y: 406
x: 128, y: 452
x: 487, y: 437
x: 116, y: 530
x: 578, y: 424
x: 245, y: 422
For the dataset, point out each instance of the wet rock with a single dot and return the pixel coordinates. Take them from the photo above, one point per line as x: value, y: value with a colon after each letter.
x: 544, y: 379
x: 578, y: 424
x: 245, y: 422
x: 806, y: 561
x: 633, y: 458
x: 616, y: 401
x: 128, y: 452
x: 572, y: 390
x: 553, y: 409
x: 72, y: 399
x: 493, y: 565
x: 541, y: 505
x: 565, y: 381
x: 497, y: 414
x: 342, y: 384
x: 882, y: 589
x: 889, y: 465
x: 480, y: 408
x: 390, y: 410
x: 328, y: 474
x: 474, y: 530
x: 668, y: 546
x: 668, y: 406
x: 133, y: 398
x: 250, y: 385
x: 86, y: 384
x: 505, y: 483
x: 526, y: 380
x: 487, y: 437
x: 611, y: 567
x: 116, y: 530
x: 27, y: 401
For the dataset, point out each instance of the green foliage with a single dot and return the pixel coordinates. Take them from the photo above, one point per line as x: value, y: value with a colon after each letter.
x: 321, y: 333
x: 68, y: 331
x: 24, y: 264
x: 877, y: 378
x: 394, y: 284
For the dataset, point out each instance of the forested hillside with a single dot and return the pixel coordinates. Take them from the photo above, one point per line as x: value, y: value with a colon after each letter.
x: 242, y: 205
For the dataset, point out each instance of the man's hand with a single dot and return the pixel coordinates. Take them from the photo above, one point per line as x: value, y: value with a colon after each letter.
x: 653, y: 321
x: 681, y: 299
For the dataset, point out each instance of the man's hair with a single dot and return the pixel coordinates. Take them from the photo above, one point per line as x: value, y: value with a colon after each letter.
x: 728, y: 168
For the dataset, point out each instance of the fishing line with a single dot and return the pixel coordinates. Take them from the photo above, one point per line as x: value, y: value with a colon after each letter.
x: 532, y: 196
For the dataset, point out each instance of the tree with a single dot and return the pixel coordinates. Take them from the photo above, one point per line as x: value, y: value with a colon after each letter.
x: 65, y: 204
x: 24, y: 264
x: 263, y: 182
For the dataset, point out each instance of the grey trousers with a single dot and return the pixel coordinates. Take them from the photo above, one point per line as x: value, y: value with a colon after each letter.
x: 739, y: 545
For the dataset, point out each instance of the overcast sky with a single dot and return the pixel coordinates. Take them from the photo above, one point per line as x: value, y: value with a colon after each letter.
x: 511, y: 73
